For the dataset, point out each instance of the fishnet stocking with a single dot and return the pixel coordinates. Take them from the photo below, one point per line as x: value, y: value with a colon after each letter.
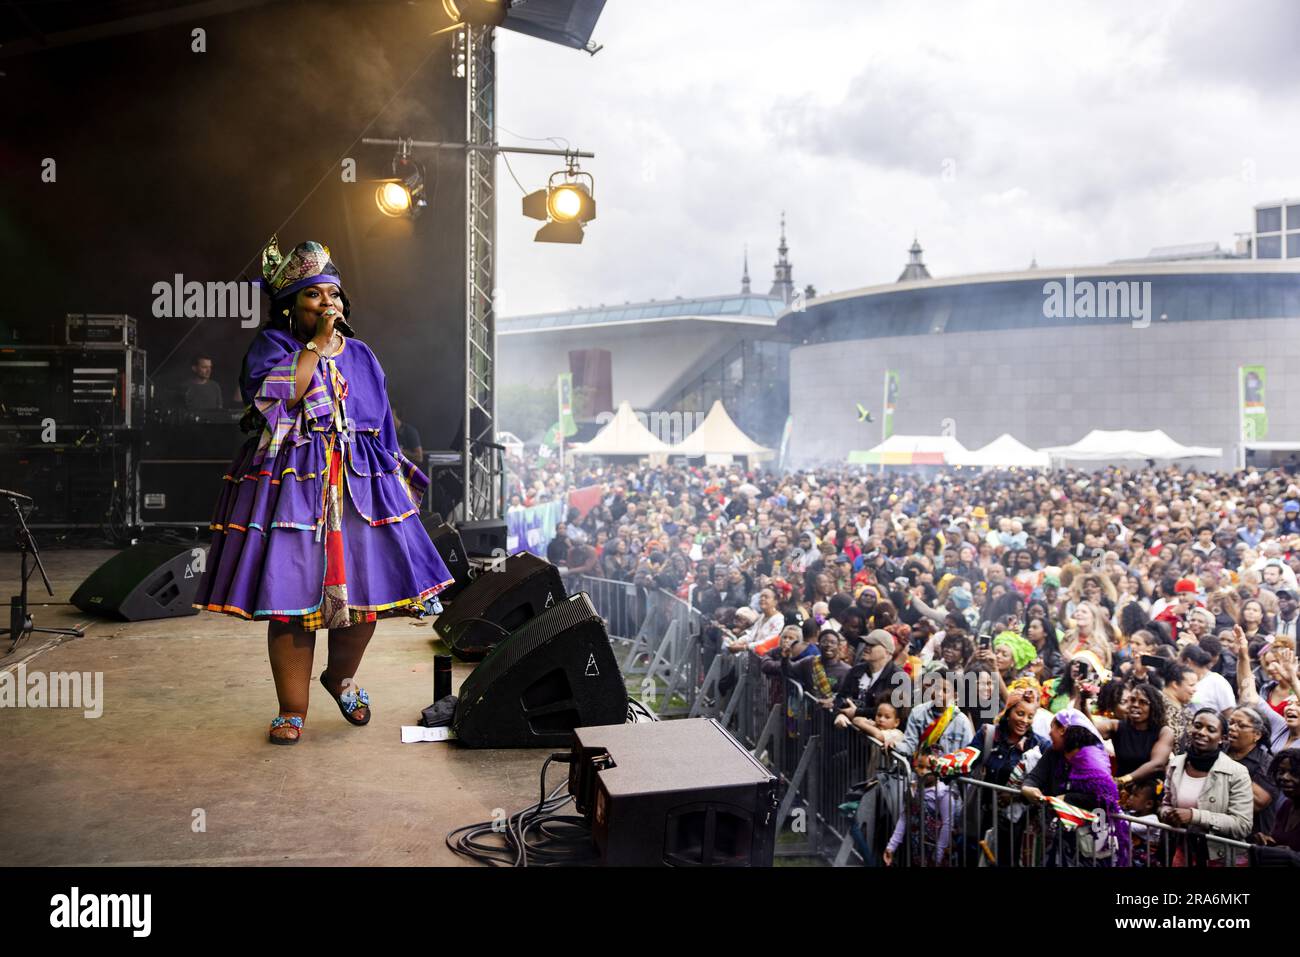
x: 347, y: 646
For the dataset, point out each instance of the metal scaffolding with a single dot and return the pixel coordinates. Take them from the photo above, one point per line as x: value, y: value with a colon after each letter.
x: 482, y: 477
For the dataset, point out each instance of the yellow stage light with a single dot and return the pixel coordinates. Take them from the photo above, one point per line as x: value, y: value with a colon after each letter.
x: 393, y: 198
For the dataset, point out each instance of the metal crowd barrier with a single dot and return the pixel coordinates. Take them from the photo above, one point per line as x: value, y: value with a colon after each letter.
x: 823, y: 769
x: 1002, y: 829
x: 663, y: 658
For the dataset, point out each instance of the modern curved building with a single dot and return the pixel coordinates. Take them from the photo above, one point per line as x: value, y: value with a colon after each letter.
x: 1048, y: 354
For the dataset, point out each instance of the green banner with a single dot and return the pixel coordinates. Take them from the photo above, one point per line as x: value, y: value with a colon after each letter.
x: 564, y: 386
x: 1254, y: 416
x: 890, y: 400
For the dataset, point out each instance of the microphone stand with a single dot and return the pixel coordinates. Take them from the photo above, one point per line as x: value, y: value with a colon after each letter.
x: 20, y: 622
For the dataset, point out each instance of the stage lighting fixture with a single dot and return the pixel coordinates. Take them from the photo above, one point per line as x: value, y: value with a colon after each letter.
x: 393, y: 198
x: 403, y: 193
x: 567, y: 204
x: 477, y: 13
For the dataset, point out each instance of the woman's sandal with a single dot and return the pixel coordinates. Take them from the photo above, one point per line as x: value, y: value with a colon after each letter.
x: 353, y: 697
x: 292, y: 722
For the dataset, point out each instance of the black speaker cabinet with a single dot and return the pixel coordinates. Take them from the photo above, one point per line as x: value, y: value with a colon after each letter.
x: 497, y: 603
x: 142, y: 582
x: 451, y: 550
x: 556, y: 673
x: 681, y: 793
x: 485, y: 537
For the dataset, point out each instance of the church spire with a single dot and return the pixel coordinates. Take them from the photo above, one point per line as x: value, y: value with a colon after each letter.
x: 783, y: 277
x: 915, y: 268
x: 744, y: 279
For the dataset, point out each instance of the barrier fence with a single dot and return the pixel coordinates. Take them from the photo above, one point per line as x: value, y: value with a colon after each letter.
x: 843, y: 794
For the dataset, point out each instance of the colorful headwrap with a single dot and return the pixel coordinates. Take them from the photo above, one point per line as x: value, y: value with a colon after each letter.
x: 1022, y: 651
x: 1025, y: 683
x: 309, y: 263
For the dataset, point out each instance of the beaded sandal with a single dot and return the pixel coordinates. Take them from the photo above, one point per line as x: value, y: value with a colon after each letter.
x: 292, y: 722
x: 352, y: 697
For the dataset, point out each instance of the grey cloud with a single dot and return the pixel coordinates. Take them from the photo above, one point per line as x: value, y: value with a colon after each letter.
x: 892, y: 121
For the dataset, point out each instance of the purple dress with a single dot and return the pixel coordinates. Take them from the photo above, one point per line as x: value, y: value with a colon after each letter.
x: 283, y: 533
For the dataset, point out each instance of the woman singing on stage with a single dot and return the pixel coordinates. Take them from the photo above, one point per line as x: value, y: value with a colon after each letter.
x: 317, y: 522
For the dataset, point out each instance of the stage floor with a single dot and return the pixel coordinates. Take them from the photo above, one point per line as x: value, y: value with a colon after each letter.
x: 182, y: 738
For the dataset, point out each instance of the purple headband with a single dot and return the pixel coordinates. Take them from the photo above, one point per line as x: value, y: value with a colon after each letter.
x: 1072, y: 717
x: 304, y: 283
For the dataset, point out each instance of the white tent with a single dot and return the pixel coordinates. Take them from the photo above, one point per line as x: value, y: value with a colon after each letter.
x: 1101, y: 445
x: 1005, y: 451
x: 622, y: 435
x: 911, y: 450
x: 718, y: 435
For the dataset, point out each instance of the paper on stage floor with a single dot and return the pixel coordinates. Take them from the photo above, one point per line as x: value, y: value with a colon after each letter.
x: 414, y: 733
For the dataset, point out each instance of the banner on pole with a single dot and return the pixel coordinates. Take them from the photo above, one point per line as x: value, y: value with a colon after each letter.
x: 564, y: 385
x: 1254, y: 416
x: 890, y: 401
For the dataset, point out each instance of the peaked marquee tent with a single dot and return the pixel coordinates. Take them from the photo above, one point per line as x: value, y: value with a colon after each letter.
x: 1005, y: 451
x: 719, y: 435
x: 911, y: 450
x: 1101, y: 445
x: 623, y: 435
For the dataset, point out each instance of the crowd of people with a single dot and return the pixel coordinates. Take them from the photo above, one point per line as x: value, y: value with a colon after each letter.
x: 1120, y: 640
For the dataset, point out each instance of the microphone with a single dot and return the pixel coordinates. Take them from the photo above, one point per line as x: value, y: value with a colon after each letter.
x: 16, y: 496
x: 341, y: 324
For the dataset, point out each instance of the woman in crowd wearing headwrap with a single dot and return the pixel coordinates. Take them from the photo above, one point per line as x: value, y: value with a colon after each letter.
x: 1207, y: 792
x: 1082, y: 779
x: 1012, y: 656
x: 1105, y: 841
x: 316, y: 526
x: 1003, y: 745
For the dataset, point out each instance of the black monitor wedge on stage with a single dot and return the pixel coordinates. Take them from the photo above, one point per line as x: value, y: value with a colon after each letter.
x: 502, y: 598
x: 555, y: 674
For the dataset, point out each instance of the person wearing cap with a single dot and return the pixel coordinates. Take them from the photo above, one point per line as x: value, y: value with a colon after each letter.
x: 873, y: 679
x: 1288, y: 614
x: 1290, y: 522
x: 1187, y: 595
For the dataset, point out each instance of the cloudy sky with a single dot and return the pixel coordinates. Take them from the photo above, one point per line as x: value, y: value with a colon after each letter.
x: 1076, y: 133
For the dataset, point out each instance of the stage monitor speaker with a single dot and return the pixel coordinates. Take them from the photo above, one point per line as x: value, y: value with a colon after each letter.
x: 143, y: 582
x: 555, y: 674
x: 485, y: 537
x: 451, y: 550
x: 679, y: 793
x: 497, y: 603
